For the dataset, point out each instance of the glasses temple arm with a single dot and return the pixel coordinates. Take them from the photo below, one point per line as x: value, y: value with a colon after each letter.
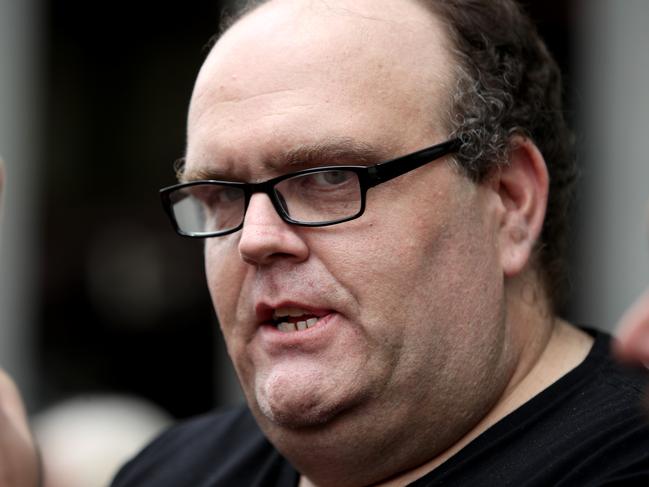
x: 391, y: 169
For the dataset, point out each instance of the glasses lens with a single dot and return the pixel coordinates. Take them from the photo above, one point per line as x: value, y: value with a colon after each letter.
x: 207, y: 208
x: 320, y: 197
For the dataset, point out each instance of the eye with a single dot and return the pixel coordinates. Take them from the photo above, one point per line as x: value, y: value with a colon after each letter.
x: 210, y: 195
x: 332, y: 177
x: 229, y: 194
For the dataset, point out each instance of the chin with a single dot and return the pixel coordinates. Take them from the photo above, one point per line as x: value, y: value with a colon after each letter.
x: 297, y: 418
x: 296, y: 408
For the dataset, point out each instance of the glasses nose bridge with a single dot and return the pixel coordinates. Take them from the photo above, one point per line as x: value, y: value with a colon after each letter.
x: 276, y: 199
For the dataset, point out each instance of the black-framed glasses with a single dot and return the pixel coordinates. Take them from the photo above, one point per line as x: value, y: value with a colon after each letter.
x: 314, y: 197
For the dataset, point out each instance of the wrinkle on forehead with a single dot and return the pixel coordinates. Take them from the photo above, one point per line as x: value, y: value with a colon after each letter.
x: 341, y: 10
x: 269, y: 102
x: 255, y: 96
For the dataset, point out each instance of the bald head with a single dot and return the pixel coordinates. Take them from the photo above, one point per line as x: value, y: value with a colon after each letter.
x: 377, y: 64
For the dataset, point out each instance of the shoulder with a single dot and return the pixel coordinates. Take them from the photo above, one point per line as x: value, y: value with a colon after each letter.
x: 600, y: 420
x: 603, y: 380
x: 220, y: 448
x: 591, y: 427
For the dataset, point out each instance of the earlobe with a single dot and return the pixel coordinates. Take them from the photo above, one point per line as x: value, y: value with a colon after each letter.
x: 522, y: 186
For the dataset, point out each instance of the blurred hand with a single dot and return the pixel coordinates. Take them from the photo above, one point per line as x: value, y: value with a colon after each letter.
x: 19, y: 460
x: 633, y: 332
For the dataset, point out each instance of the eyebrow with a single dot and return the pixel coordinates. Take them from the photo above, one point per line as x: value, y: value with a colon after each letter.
x: 332, y: 151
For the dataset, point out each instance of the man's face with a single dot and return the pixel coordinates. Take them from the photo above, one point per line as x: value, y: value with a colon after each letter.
x: 409, y: 297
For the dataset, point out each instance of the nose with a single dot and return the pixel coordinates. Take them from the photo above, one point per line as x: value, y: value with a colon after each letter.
x: 266, y: 238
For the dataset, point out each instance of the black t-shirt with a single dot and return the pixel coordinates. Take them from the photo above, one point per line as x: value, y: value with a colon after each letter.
x: 589, y: 428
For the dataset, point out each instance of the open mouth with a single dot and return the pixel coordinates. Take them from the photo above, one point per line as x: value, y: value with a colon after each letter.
x: 293, y: 319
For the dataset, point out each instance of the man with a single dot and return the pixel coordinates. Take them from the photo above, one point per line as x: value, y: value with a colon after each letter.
x: 19, y: 465
x: 391, y: 324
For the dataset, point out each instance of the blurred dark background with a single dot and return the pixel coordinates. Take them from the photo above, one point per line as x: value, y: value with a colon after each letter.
x: 123, y: 302
x: 124, y: 306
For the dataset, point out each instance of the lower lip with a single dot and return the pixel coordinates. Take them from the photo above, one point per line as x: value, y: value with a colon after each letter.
x: 310, y: 338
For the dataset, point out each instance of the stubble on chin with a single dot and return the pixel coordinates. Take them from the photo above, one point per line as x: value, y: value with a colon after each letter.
x: 300, y: 401
x: 291, y: 412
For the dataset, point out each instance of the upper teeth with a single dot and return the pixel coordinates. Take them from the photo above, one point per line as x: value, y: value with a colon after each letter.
x: 300, y: 325
x: 285, y: 325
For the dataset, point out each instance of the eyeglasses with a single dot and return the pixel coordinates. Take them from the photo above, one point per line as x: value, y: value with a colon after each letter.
x: 314, y: 197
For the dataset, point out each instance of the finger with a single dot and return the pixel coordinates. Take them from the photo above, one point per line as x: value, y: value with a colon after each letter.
x: 633, y: 332
x: 11, y: 406
x: 19, y: 459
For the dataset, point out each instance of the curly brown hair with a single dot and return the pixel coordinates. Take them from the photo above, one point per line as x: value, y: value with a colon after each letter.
x: 507, y: 84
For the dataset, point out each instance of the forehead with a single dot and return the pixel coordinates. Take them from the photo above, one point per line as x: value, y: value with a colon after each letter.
x: 297, y: 72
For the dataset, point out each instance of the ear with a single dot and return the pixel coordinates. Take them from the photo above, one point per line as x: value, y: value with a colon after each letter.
x: 522, y: 188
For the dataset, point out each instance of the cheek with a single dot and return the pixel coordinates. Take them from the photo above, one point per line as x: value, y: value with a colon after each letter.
x: 225, y: 273
x: 383, y: 255
x: 432, y: 267
x: 225, y: 277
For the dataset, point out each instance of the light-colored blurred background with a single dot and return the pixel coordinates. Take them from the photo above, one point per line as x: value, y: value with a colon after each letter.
x: 97, y: 295
x: 611, y: 245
